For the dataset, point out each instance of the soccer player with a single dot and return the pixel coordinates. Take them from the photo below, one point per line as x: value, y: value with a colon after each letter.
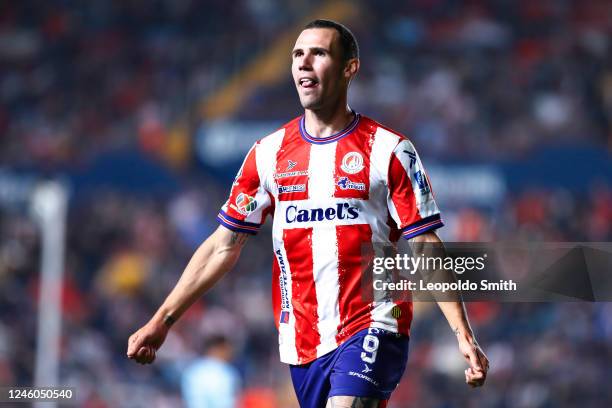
x: 334, y: 181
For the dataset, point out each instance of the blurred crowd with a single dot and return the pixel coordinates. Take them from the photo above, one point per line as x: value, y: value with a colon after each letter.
x: 487, y: 79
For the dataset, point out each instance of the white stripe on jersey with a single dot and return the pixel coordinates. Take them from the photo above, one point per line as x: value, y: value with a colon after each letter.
x: 286, y: 331
x: 266, y: 157
x: 321, y: 167
x: 325, y: 273
x: 321, y: 188
x: 425, y: 204
x: 266, y: 166
x: 382, y: 149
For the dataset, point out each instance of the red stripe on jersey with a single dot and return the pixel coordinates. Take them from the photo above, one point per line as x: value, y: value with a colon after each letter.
x: 355, y: 252
x: 292, y: 161
x: 303, y: 291
x: 352, y: 172
x: 402, y: 195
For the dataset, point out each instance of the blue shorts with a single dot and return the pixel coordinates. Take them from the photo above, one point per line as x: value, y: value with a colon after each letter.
x: 369, y: 364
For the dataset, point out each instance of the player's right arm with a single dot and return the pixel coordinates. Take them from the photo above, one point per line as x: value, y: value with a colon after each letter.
x: 213, y: 259
x: 242, y: 214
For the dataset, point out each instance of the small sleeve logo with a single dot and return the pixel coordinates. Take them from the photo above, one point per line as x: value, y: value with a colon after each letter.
x: 245, y: 203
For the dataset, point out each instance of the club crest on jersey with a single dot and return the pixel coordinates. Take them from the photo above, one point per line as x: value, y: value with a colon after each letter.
x: 352, y: 163
x: 422, y: 182
x: 245, y: 203
x: 345, y: 184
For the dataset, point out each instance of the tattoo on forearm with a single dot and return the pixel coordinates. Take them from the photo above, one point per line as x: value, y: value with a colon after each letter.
x: 169, y: 320
x: 456, y: 331
x: 238, y: 238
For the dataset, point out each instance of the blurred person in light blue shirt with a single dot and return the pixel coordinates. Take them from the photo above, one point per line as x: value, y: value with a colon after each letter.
x: 211, y: 381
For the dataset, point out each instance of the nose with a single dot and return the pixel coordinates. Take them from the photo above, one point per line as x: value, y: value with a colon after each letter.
x: 306, y: 63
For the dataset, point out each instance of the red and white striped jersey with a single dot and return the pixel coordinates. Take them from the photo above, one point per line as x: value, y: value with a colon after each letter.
x: 330, y: 196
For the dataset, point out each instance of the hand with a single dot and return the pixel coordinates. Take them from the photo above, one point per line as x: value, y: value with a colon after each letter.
x: 143, y: 344
x: 476, y: 373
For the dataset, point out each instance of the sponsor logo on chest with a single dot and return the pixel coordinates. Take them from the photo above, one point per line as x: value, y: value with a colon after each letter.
x: 341, y: 211
x: 345, y: 184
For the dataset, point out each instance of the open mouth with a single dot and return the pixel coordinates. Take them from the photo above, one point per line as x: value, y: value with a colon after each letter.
x: 308, y: 82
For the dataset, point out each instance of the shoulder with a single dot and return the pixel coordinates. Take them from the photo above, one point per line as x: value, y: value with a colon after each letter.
x: 274, y: 139
x: 384, y: 134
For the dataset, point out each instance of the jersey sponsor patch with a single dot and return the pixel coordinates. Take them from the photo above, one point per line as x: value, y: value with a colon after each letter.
x: 245, y: 204
x: 422, y: 182
x: 345, y: 184
x: 352, y: 163
x: 291, y: 174
x: 291, y: 188
x: 284, y: 317
x: 341, y: 211
x: 283, y: 281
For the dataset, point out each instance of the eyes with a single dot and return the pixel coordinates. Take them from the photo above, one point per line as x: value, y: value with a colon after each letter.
x: 316, y: 52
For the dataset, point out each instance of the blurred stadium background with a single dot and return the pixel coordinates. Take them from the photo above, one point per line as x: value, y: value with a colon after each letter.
x: 145, y: 109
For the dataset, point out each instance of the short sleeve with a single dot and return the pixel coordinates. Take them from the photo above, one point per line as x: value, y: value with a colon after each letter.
x: 248, y: 202
x: 410, y: 200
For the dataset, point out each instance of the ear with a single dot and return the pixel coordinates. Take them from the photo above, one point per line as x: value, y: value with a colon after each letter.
x: 351, y: 68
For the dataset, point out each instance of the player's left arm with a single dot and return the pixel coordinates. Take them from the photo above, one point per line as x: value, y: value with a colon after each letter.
x: 456, y: 315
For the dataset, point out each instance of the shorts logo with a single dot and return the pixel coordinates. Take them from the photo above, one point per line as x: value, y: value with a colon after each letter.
x: 245, y: 203
x: 345, y: 184
x: 422, y: 182
x: 290, y: 164
x: 291, y: 188
x: 352, y: 163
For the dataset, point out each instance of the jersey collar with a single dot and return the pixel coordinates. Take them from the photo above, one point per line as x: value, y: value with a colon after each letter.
x: 329, y: 139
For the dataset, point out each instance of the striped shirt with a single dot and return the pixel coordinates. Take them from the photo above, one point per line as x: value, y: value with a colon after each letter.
x: 330, y: 198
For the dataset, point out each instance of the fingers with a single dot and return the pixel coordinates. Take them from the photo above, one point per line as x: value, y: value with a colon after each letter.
x: 134, y: 344
x: 484, y: 361
x: 475, y: 363
x: 474, y: 378
x: 138, y: 350
x: 145, y: 355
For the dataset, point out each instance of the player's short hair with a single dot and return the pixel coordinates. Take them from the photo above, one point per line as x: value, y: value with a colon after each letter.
x: 350, y: 48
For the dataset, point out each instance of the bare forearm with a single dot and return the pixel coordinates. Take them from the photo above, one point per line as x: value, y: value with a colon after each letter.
x: 452, y: 307
x: 457, y: 318
x: 213, y: 259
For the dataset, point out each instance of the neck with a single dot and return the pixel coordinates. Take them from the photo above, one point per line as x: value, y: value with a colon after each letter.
x: 321, y: 123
